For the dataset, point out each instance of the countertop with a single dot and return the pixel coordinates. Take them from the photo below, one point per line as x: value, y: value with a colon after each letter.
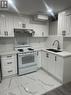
x: 7, y: 52
x: 62, y: 53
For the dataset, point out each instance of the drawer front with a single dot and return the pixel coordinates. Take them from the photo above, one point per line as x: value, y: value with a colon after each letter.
x: 8, y: 63
x: 8, y: 71
x: 8, y: 57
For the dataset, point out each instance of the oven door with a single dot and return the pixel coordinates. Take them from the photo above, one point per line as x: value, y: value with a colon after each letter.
x: 26, y: 60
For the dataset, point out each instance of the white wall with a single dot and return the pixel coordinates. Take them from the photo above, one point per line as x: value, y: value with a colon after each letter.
x: 51, y: 39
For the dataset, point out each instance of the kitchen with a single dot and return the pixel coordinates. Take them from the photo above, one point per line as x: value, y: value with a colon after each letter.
x: 35, y: 48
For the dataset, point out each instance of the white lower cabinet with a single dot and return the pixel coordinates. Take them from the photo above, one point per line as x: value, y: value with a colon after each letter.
x: 57, y: 66
x: 59, y: 63
x: 9, y: 65
x: 44, y: 60
x: 38, y: 59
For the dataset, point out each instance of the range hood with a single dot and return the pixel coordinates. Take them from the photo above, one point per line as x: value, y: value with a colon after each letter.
x: 28, y: 32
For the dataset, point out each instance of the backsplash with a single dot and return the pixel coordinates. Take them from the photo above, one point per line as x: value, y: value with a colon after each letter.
x: 6, y: 44
x: 35, y: 42
x: 51, y: 39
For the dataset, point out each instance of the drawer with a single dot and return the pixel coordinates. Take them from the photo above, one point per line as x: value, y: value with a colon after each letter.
x: 8, y: 63
x: 8, y: 71
x: 8, y: 57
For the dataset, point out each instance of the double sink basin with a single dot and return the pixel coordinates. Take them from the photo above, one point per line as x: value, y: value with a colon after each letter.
x: 54, y: 50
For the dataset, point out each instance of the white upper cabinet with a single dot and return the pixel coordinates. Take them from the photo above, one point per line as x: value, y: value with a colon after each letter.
x: 61, y: 22
x: 21, y: 22
x: 10, y: 25
x: 40, y: 30
x: 6, y: 26
x: 9, y: 22
x: 64, y: 23
x: 17, y: 22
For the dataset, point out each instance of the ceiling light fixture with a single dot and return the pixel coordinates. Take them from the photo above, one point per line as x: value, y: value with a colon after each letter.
x: 12, y: 4
x: 49, y: 10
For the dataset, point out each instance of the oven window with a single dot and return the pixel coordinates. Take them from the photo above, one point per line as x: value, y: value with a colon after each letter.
x: 27, y: 59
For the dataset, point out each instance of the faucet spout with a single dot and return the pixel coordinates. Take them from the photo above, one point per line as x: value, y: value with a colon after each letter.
x: 58, y: 46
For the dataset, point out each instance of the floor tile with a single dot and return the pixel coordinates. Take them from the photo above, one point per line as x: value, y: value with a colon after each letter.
x: 35, y: 83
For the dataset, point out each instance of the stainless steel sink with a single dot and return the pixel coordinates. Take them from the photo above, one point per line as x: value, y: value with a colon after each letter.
x: 53, y: 50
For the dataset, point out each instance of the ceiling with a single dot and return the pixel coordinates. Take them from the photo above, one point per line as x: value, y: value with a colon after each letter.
x: 37, y: 6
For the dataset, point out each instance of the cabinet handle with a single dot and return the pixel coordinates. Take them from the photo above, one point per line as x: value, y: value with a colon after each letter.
x: 9, y: 63
x: 55, y: 58
x: 10, y: 71
x: 37, y: 53
x: 9, y: 56
x: 42, y: 33
x: 6, y: 33
x: 0, y: 32
x: 47, y: 55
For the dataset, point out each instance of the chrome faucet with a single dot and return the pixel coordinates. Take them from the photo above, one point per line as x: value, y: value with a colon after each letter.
x: 58, y: 46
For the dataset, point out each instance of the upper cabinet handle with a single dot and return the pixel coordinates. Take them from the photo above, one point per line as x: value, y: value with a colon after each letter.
x: 6, y: 33
x: 55, y: 58
x: 47, y: 55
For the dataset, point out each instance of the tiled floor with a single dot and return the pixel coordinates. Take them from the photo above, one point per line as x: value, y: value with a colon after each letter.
x: 35, y: 83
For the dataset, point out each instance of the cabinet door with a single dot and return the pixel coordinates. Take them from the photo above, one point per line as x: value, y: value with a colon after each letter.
x: 51, y: 64
x: 6, y: 26
x: 10, y: 25
x: 44, y: 60
x: 69, y: 25
x: 2, y: 25
x: 38, y: 59
x: 18, y: 22
x: 59, y: 68
x: 61, y: 22
x: 67, y: 28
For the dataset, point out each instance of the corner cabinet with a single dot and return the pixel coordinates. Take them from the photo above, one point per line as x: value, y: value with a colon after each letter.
x: 6, y: 26
x: 57, y: 66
